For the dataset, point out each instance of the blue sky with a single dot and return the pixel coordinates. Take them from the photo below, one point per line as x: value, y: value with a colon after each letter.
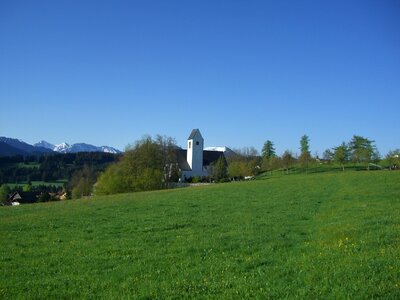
x: 243, y: 72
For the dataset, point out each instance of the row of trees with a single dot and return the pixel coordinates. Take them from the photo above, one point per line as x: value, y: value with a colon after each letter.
x: 358, y: 150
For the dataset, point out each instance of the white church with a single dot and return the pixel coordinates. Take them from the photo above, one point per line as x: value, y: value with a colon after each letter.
x: 195, y: 161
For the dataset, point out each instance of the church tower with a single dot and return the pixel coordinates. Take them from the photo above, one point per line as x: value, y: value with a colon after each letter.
x: 195, y: 145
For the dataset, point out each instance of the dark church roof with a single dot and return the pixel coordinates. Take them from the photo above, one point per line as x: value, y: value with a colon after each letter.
x: 194, y: 132
x: 209, y: 157
x: 182, y: 159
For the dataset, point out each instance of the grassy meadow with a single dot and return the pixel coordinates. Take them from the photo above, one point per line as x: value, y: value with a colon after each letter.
x: 325, y: 236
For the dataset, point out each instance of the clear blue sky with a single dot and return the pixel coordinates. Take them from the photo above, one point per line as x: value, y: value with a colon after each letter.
x: 108, y: 72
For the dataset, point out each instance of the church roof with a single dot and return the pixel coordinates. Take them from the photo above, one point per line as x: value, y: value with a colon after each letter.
x: 194, y: 133
x: 208, y: 158
x: 181, y: 159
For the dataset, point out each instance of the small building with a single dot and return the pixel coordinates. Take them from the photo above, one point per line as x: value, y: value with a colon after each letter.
x: 18, y: 198
x: 14, y: 199
x: 195, y: 161
x: 62, y: 196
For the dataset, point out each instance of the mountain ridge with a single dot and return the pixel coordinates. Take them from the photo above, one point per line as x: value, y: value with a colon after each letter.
x: 77, y: 147
x: 12, y: 146
x: 20, y: 147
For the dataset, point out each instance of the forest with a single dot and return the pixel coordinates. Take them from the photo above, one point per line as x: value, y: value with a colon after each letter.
x: 37, y: 177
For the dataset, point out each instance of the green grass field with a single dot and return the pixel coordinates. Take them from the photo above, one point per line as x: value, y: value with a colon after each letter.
x: 325, y: 236
x: 58, y: 183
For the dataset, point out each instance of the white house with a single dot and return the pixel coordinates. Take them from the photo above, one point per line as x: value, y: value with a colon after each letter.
x: 195, y: 161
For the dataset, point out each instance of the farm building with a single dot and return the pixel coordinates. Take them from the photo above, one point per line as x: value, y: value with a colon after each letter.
x: 14, y: 199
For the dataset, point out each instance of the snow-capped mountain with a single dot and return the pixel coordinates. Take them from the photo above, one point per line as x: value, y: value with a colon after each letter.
x: 78, y: 147
x: 109, y: 149
x: 62, y: 148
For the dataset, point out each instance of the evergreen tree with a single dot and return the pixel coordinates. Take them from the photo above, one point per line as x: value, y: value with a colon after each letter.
x: 268, y: 150
x: 305, y: 145
x: 305, y: 154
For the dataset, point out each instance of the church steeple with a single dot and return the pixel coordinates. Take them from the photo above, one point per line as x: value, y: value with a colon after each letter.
x: 195, y: 145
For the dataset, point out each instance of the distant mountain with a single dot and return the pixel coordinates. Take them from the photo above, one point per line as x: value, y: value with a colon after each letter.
x: 78, y: 147
x: 24, y: 148
x: 109, y: 149
x: 7, y: 150
x: 10, y: 146
x: 44, y: 144
x: 62, y: 148
x: 82, y: 147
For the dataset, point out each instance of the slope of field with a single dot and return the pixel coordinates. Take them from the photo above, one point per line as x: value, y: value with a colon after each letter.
x: 308, y: 236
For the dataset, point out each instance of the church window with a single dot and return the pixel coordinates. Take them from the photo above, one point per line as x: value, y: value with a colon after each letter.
x: 197, y: 143
x: 190, y: 145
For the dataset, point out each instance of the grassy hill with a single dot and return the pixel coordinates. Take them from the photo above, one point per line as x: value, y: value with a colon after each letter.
x: 332, y: 235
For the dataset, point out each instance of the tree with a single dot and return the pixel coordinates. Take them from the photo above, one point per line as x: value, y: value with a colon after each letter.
x: 305, y: 154
x: 82, y: 182
x: 219, y: 171
x: 268, y: 150
x: 171, y: 169
x: 287, y: 160
x: 143, y: 167
x: 172, y: 173
x: 363, y: 150
x: 4, y: 193
x: 268, y: 155
x: 328, y: 155
x: 271, y: 164
x: 113, y: 180
x: 304, y: 145
x: 247, y: 152
x: 27, y: 187
x: 236, y: 169
x: 341, y: 154
x: 44, y: 197
x: 393, y: 158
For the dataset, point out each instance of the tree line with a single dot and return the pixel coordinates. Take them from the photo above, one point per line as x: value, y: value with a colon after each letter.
x: 359, y: 151
x: 18, y: 169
